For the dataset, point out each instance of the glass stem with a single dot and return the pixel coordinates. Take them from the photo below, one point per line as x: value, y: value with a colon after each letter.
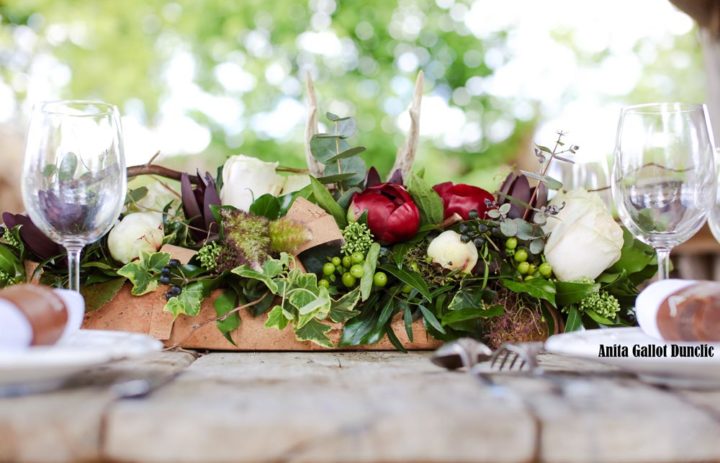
x: 73, y: 257
x: 663, y: 261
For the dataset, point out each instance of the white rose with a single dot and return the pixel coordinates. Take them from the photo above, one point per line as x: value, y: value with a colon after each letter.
x: 137, y: 232
x: 584, y: 239
x: 246, y: 178
x: 295, y: 182
x: 448, y: 250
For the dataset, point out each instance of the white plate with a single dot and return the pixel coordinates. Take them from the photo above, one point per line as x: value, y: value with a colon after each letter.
x: 677, y: 371
x: 79, y: 351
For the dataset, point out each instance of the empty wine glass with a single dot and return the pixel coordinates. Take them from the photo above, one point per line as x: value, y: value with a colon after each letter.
x: 714, y: 216
x: 663, y: 178
x: 74, y: 178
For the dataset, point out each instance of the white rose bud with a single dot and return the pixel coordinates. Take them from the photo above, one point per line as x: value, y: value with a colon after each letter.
x: 448, y: 250
x: 137, y: 232
x: 246, y: 178
x: 584, y: 239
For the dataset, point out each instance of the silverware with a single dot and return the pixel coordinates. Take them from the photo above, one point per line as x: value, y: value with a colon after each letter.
x: 479, y: 358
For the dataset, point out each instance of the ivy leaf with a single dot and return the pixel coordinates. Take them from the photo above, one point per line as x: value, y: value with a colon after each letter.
x: 342, y: 310
x: 366, y: 281
x: 276, y: 318
x: 537, y: 287
x: 413, y: 279
x: 99, y: 294
x: 143, y: 273
x: 188, y: 302
x: 314, y: 331
x: 325, y: 200
x: 427, y: 200
x: 246, y: 272
x: 225, y: 303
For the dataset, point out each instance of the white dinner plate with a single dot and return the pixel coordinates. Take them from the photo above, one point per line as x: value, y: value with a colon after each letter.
x: 669, y: 370
x: 79, y: 351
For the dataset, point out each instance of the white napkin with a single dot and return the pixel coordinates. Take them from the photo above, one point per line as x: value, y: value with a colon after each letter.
x: 15, y: 330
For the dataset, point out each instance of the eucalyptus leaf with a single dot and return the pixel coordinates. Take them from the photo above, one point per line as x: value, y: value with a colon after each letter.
x: 325, y: 147
x: 68, y: 166
x: 354, y: 165
x: 550, y: 182
x: 508, y: 228
x: 347, y: 153
x: 536, y: 246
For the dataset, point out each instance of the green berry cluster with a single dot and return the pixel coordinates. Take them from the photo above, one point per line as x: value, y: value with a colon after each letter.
x: 348, y: 270
x: 527, y: 265
x: 209, y: 254
x: 602, y: 303
x: 358, y: 238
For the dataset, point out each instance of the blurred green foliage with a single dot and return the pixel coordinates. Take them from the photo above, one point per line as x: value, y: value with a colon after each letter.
x: 120, y: 51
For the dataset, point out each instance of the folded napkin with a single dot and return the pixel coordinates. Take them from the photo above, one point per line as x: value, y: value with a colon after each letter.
x: 680, y: 310
x: 34, y: 315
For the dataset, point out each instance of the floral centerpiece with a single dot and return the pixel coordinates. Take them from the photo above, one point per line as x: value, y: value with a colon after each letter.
x: 337, y: 245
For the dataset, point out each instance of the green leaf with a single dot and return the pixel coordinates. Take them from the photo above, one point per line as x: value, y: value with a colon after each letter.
x: 314, y: 331
x: 635, y: 256
x: 326, y: 201
x: 49, y: 170
x: 537, y: 287
x: 136, y: 194
x: 572, y: 292
x: 354, y: 165
x: 410, y: 278
x: 342, y: 309
x: 267, y: 206
x: 369, y: 265
x: 599, y: 319
x: 276, y: 318
x: 394, y: 339
x: 324, y: 147
x: 143, y: 273
x: 246, y: 272
x: 344, y: 127
x: 274, y: 267
x: 225, y: 303
x: 68, y: 166
x: 573, y: 322
x: 10, y: 263
x: 99, y: 294
x: 536, y: 246
x: 463, y: 315
x: 347, y: 153
x: 188, y: 302
x: 336, y: 178
x: 431, y: 319
x: 550, y: 182
x: 508, y: 228
x: 407, y: 319
x: 427, y: 200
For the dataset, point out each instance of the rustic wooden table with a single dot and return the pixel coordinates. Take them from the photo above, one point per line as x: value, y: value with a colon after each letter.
x: 342, y: 407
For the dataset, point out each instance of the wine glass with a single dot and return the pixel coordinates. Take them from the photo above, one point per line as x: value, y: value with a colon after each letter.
x: 74, y: 180
x: 714, y: 216
x: 663, y: 179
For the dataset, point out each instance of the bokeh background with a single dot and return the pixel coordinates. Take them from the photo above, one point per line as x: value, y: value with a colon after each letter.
x: 202, y: 80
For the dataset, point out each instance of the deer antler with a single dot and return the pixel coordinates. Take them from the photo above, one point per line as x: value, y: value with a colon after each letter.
x: 315, y: 167
x: 406, y: 154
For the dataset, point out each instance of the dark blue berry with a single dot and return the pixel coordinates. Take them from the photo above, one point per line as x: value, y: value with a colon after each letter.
x: 165, y: 279
x: 174, y: 263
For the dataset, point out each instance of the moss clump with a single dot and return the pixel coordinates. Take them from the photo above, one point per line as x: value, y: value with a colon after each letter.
x: 287, y: 235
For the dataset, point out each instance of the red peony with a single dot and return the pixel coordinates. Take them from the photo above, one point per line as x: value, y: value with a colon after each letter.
x: 462, y: 199
x: 391, y: 213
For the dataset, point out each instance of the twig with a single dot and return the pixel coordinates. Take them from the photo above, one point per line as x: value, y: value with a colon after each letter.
x: 151, y: 169
x: 406, y: 154
x: 217, y: 319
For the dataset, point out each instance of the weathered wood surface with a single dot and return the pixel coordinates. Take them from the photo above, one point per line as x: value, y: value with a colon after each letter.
x: 360, y: 407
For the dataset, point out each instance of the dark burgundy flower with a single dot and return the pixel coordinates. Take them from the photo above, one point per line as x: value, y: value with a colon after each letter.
x: 461, y: 199
x: 518, y: 187
x: 196, y: 202
x: 35, y: 241
x: 391, y: 213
